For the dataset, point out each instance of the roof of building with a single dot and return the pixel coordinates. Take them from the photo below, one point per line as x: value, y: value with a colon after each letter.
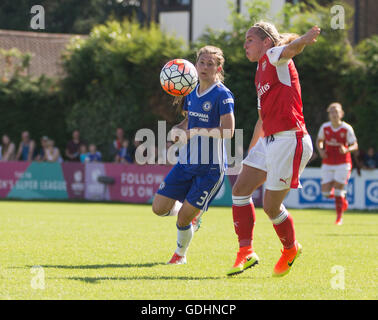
x: 46, y: 49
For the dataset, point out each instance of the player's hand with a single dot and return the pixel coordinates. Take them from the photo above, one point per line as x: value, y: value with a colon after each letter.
x: 310, y: 36
x: 343, y: 150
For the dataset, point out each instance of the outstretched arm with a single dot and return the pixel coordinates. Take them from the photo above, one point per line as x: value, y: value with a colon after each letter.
x: 297, y: 46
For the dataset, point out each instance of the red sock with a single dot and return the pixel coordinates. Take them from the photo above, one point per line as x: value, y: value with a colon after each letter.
x: 244, y: 222
x: 286, y: 232
x: 339, y: 203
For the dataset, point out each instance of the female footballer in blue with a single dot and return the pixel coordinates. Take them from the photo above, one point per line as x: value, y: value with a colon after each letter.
x: 194, y: 181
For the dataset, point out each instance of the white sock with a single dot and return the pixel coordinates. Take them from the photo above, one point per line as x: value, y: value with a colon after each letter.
x: 281, y: 217
x: 241, y: 201
x: 340, y: 193
x: 184, y: 236
x: 174, y: 211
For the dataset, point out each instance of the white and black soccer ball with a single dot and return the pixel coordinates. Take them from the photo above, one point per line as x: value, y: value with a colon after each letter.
x: 178, y: 77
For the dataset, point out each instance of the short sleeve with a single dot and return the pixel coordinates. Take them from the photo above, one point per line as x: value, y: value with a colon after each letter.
x: 351, y: 137
x: 226, y: 103
x: 274, y: 55
x: 321, y: 133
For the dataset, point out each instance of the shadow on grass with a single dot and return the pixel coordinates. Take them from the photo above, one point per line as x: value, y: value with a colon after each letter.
x: 104, y: 266
x: 97, y: 279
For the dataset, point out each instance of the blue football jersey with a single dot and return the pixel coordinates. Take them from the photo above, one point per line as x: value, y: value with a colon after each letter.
x: 204, y: 111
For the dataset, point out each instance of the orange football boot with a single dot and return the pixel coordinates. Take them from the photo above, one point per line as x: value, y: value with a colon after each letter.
x: 287, y: 259
x: 245, y: 259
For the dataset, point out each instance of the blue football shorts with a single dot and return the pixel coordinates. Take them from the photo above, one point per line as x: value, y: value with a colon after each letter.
x: 198, y: 189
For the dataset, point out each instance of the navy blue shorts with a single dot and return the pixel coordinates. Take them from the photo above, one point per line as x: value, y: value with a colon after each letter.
x: 198, y: 189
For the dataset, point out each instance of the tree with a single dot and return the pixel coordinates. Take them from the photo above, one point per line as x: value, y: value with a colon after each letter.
x: 113, y: 80
x: 68, y: 16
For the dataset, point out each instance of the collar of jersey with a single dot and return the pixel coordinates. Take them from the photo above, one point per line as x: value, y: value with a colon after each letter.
x: 207, y: 90
x: 336, y: 129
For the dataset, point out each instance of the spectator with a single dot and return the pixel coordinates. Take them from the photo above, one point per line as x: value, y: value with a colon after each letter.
x: 358, y: 160
x: 370, y: 160
x: 117, y: 143
x: 83, y: 153
x: 73, y: 147
x: 123, y: 154
x: 7, y: 149
x: 93, y: 155
x: 52, y: 153
x: 41, y: 152
x: 26, y: 148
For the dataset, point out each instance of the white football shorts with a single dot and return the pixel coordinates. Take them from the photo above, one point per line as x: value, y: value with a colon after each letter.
x: 336, y: 172
x: 283, y: 156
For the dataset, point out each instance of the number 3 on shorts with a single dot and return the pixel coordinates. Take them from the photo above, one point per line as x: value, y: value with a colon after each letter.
x: 203, y: 198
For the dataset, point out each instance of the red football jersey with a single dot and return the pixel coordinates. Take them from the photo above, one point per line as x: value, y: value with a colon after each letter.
x: 335, y: 137
x: 279, y: 93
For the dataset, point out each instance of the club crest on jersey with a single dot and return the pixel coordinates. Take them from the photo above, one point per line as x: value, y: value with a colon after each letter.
x: 162, y: 185
x: 207, y: 106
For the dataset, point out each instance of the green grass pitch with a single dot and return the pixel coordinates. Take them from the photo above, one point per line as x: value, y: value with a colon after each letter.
x: 119, y: 251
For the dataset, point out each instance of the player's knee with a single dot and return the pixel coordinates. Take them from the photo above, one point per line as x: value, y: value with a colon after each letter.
x: 182, y: 222
x: 157, y: 209
x: 271, y: 210
x: 237, y: 190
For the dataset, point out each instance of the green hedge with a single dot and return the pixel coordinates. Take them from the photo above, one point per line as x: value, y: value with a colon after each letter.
x: 113, y: 80
x: 34, y: 105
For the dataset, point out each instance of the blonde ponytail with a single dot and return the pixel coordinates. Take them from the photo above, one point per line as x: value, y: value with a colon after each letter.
x: 266, y: 29
x: 178, y: 102
x: 286, y: 38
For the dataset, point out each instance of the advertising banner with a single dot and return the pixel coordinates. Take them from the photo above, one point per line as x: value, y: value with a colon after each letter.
x: 94, y: 190
x: 135, y: 183
x: 362, y: 191
x: 74, y: 174
x: 138, y: 184
x: 33, y: 180
x: 10, y: 173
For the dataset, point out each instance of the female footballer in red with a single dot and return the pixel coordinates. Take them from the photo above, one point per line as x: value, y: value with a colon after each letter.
x: 280, y: 146
x: 336, y: 140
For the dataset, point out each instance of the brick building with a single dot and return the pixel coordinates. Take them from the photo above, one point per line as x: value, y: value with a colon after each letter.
x: 365, y: 22
x: 46, y: 49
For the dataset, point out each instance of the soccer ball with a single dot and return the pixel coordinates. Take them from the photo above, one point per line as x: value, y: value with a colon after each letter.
x: 178, y: 77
